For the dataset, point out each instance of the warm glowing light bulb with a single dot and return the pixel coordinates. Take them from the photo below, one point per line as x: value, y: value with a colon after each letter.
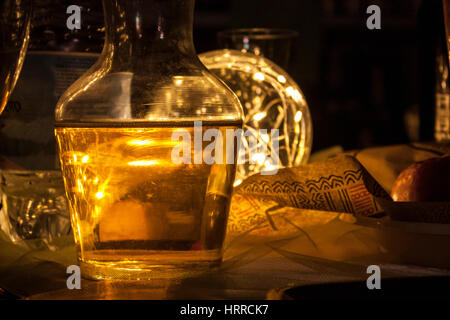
x: 85, y: 159
x: 295, y: 94
x: 298, y: 116
x: 259, y: 116
x: 259, y: 158
x: 259, y: 76
x: 268, y: 166
x: 289, y: 91
x: 237, y: 182
x: 99, y: 195
x: 281, y: 79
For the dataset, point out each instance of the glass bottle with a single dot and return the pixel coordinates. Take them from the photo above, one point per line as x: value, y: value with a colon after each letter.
x: 442, y: 90
x: 442, y: 93
x: 56, y: 57
x: 145, y: 203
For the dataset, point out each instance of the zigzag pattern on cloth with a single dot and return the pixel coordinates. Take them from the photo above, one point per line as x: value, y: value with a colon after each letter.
x: 275, y: 187
x: 312, y: 186
x: 333, y: 181
x: 317, y: 201
x: 324, y: 183
x: 353, y: 176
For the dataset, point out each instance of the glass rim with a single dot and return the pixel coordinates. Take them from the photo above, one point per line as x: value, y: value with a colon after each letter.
x: 258, y: 33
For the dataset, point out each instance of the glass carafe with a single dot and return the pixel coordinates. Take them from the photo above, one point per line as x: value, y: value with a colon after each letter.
x: 133, y: 135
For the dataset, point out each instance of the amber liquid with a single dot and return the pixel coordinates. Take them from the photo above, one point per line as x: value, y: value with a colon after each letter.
x: 135, y: 213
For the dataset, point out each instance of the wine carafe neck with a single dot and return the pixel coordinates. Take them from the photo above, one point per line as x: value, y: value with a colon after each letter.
x: 153, y: 30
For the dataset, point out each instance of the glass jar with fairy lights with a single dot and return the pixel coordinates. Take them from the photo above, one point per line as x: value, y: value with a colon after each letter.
x: 272, y: 101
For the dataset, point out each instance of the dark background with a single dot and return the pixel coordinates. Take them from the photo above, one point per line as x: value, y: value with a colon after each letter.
x: 364, y: 87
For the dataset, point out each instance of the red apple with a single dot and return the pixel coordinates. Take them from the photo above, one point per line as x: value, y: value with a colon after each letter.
x: 427, y: 180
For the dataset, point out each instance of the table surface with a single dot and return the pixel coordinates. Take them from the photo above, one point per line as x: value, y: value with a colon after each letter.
x: 328, y: 252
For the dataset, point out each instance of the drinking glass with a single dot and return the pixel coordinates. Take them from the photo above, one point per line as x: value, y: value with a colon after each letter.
x: 15, y: 16
x: 272, y: 43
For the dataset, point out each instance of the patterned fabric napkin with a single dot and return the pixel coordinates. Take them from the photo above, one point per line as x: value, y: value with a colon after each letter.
x: 352, y: 182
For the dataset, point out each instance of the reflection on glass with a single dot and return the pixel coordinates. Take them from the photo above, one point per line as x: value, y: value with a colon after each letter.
x: 14, y: 35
